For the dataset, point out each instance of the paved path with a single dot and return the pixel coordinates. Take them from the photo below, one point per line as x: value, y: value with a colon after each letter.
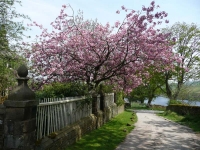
x: 156, y: 133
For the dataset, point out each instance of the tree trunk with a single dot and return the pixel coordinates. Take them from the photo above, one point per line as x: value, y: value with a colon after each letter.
x: 167, y: 86
x: 142, y: 101
x: 149, y: 101
x: 179, y: 85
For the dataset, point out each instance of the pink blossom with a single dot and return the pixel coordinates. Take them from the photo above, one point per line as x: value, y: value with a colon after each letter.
x: 186, y: 69
x: 166, y: 21
x: 64, y: 6
x: 144, y: 8
x: 95, y: 53
x: 123, y: 8
x: 153, y: 2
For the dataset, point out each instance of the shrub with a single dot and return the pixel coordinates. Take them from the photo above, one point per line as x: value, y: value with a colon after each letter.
x: 173, y: 102
x: 60, y: 90
x: 120, y: 98
x: 103, y: 88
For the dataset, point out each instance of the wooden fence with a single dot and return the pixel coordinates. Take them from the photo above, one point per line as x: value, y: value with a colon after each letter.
x: 53, y: 114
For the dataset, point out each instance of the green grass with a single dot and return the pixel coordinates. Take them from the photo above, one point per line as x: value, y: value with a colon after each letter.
x: 191, y: 121
x: 139, y: 106
x: 109, y: 136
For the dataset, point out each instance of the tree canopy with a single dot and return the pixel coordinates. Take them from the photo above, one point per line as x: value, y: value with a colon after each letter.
x: 150, y: 88
x: 9, y: 24
x: 187, y: 45
x: 78, y: 50
x: 11, y: 34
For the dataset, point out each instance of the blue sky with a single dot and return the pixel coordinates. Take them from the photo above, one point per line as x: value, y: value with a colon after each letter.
x: 45, y: 11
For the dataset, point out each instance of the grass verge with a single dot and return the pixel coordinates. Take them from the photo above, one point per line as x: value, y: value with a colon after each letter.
x: 191, y: 121
x: 109, y: 136
x: 139, y: 106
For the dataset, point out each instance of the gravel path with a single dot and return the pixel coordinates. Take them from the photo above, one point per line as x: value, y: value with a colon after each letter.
x: 156, y: 133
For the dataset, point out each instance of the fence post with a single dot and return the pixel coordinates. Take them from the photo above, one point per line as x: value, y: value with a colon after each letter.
x: 94, y: 105
x: 20, y: 117
x: 102, y: 99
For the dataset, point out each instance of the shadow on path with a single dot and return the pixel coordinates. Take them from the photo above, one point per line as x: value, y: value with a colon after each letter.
x: 156, y: 133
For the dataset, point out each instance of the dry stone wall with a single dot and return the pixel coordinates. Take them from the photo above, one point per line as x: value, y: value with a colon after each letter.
x: 184, y: 110
x: 72, y: 133
x: 68, y: 135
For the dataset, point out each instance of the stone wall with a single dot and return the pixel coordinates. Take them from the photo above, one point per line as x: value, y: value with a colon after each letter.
x: 112, y: 111
x: 120, y: 109
x: 107, y: 114
x: 68, y: 135
x: 184, y: 110
x: 18, y: 120
x: 100, y: 118
x: 74, y: 132
x: 19, y: 115
x: 2, y: 115
x: 115, y: 109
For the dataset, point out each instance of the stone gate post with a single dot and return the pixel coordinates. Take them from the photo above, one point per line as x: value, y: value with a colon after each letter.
x: 20, y: 115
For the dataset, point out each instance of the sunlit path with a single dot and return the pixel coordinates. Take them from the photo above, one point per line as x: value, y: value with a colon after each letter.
x: 153, y: 132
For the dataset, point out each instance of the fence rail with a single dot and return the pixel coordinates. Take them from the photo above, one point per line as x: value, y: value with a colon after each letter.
x: 53, y: 114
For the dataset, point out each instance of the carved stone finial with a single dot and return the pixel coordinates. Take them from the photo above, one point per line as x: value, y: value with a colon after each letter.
x: 22, y: 71
x: 22, y: 92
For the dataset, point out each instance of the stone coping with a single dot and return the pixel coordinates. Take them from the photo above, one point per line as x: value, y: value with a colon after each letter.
x: 27, y: 103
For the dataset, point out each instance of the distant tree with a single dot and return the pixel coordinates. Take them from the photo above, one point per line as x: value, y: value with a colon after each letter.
x: 9, y: 24
x: 190, y: 91
x: 138, y: 94
x: 11, y: 34
x: 150, y: 88
x: 186, y: 41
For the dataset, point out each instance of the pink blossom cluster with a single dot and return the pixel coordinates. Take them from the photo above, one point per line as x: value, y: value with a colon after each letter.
x: 78, y: 50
